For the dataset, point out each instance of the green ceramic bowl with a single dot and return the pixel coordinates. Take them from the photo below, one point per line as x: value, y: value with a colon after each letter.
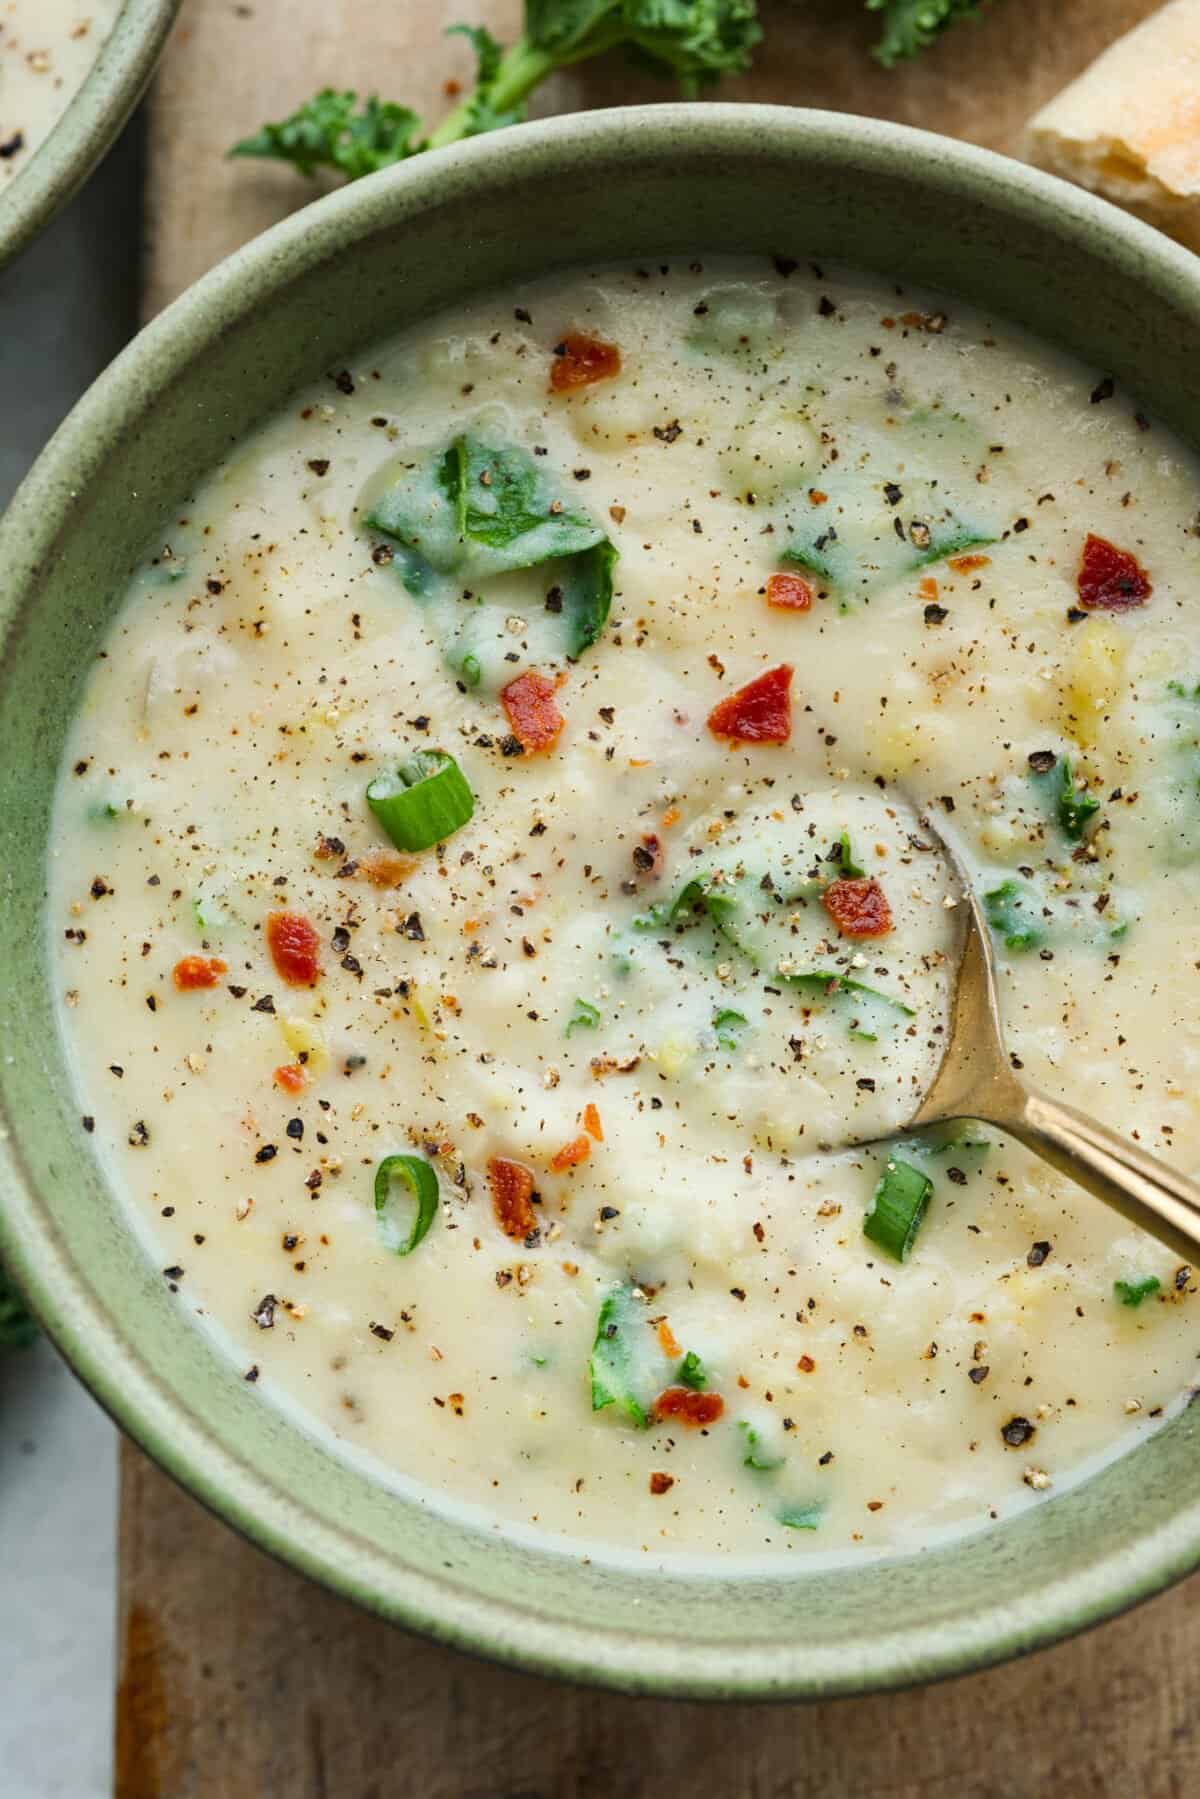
x: 643, y: 183
x: 89, y: 125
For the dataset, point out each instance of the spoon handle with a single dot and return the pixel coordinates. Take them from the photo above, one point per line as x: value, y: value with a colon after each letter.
x: 1146, y: 1191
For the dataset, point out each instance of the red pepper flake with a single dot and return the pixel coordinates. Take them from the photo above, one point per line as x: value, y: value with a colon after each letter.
x: 579, y: 360
x: 964, y: 565
x: 668, y: 1342
x: 692, y: 1409
x: 760, y: 712
x: 1109, y: 579
x: 512, y: 1197
x: 789, y: 593
x: 386, y: 868
x: 197, y: 971
x: 532, y: 710
x: 294, y: 943
x: 661, y: 1483
x: 291, y: 1077
x: 571, y: 1154
x: 858, y: 908
x: 591, y: 1122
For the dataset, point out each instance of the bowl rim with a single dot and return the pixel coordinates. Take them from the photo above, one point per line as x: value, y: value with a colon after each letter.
x: 512, y: 1631
x: 87, y: 129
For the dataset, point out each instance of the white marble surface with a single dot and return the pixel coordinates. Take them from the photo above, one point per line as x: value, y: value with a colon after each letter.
x: 66, y: 307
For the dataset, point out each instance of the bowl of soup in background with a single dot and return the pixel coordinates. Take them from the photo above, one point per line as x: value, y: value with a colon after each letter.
x: 347, y: 272
x: 68, y: 82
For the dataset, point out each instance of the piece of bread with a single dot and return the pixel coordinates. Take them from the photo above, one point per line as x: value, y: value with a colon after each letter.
x: 1129, y: 126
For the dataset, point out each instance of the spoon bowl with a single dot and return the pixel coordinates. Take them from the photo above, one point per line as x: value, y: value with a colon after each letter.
x: 978, y: 1079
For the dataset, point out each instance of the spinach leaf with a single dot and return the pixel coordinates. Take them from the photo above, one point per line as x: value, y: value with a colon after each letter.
x: 615, y: 1359
x: 1071, y: 805
x: 802, y: 1516
x: 1012, y: 912
x: 477, y: 510
x: 1132, y: 1292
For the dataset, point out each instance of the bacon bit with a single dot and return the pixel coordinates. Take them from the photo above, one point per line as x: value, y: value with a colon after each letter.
x: 963, y: 565
x: 579, y: 360
x: 1109, y: 579
x: 661, y: 1483
x: 591, y: 1122
x: 816, y: 497
x: 928, y: 588
x: 290, y: 1077
x: 668, y: 1341
x: 806, y: 1365
x: 197, y: 971
x: 294, y: 943
x: 387, y: 869
x: 760, y: 712
x: 789, y: 593
x: 571, y: 1154
x: 692, y: 1409
x: 858, y: 908
x: 670, y: 817
x: 532, y: 710
x: 512, y: 1197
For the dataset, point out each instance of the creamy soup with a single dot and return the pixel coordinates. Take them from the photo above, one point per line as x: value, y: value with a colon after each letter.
x: 496, y: 900
x: 47, y: 48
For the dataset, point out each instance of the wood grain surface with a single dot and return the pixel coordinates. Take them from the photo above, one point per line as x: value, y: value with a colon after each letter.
x: 237, y: 1678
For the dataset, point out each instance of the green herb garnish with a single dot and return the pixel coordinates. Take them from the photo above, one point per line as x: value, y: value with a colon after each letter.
x: 758, y: 1456
x: 1132, y: 1293
x: 727, y: 1023
x: 802, y: 1516
x: 585, y: 1017
x: 900, y: 1202
x: 416, y: 1175
x: 424, y: 802
x: 692, y: 1373
x: 614, y: 1360
x: 1010, y: 911
x: 848, y: 868
x: 1072, y: 805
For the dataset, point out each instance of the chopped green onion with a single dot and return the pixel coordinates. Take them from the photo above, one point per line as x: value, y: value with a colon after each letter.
x: 414, y: 1173
x: 802, y: 1517
x: 899, y: 1206
x: 471, y: 670
x: 424, y: 802
x: 208, y: 913
x: 614, y: 1357
x: 727, y: 1024
x: 757, y: 1456
x: 692, y: 1373
x: 103, y: 812
x: 585, y: 1017
x: 1132, y: 1293
x: 845, y: 856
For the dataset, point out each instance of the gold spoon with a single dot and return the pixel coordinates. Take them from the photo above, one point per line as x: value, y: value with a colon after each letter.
x: 976, y: 1080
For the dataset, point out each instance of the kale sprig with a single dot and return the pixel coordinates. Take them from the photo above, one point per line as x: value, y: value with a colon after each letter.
x: 910, y: 25
x: 696, y: 41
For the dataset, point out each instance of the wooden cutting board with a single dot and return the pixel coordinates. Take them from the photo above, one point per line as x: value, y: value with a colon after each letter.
x: 237, y: 1678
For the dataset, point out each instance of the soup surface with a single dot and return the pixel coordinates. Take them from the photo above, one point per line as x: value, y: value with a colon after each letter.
x: 495, y: 899
x: 47, y: 48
